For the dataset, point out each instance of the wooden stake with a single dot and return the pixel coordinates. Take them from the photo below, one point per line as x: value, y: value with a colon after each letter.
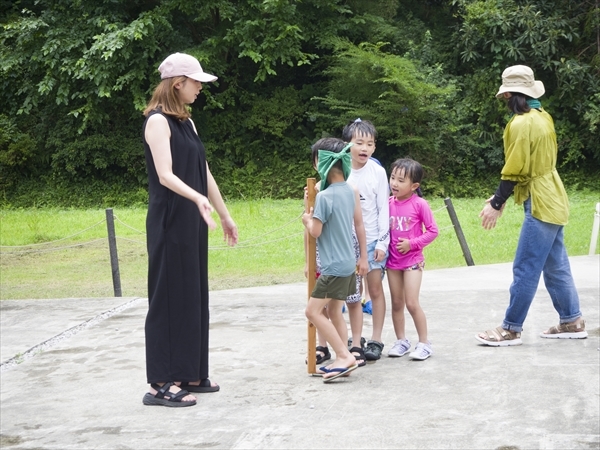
x: 312, y: 277
x: 459, y: 233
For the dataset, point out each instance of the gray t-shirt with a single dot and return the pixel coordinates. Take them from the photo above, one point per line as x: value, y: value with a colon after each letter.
x: 334, y: 207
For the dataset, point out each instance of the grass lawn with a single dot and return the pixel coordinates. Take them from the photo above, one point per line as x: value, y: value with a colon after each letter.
x: 52, y: 253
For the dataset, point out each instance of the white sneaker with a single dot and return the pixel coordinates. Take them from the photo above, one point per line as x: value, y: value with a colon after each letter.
x: 400, y: 348
x: 421, y: 351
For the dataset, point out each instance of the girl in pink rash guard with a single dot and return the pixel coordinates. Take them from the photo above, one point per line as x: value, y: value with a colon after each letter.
x: 412, y: 227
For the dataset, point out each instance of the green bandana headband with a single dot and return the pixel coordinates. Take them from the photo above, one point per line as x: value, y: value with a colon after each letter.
x: 328, y: 158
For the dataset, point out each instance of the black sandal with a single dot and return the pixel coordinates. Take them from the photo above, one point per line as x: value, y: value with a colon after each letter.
x: 326, y: 356
x: 204, y: 386
x: 360, y: 358
x: 175, y: 400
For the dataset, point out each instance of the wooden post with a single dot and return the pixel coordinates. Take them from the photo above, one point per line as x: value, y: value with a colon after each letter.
x: 312, y: 277
x: 112, y: 247
x: 459, y: 233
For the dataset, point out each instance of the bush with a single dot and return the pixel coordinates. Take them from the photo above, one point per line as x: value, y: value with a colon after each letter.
x: 17, y: 153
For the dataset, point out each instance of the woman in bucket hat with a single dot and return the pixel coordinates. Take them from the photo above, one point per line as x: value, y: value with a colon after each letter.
x: 530, y: 152
x: 182, y: 195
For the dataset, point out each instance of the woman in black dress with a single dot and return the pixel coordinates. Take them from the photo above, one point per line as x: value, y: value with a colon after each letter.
x: 182, y: 195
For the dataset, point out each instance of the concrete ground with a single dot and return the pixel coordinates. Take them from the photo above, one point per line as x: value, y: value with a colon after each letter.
x: 73, y: 375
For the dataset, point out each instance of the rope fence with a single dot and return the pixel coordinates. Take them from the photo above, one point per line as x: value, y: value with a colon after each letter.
x: 57, y: 240
x: 241, y: 244
x: 52, y: 249
x: 38, y: 248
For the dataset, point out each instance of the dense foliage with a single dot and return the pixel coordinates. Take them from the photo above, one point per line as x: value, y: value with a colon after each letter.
x: 75, y: 76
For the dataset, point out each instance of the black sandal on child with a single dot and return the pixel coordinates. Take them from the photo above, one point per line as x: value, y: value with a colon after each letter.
x: 174, y: 400
x: 325, y: 356
x: 202, y: 388
x: 359, y: 354
x: 322, y: 355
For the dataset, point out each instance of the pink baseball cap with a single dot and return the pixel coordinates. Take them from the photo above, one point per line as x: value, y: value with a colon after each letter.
x: 181, y: 64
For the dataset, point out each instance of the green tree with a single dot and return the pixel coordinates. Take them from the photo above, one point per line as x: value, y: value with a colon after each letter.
x: 75, y: 74
x: 559, y: 40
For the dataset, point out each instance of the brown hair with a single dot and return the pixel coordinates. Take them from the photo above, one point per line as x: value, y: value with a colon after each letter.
x: 517, y: 103
x: 166, y: 97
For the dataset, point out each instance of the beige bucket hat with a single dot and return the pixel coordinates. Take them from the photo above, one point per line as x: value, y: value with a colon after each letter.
x: 521, y: 79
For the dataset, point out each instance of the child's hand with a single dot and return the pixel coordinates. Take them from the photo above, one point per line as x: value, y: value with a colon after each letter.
x: 403, y: 245
x: 379, y: 255
x: 362, y: 268
x: 306, y: 217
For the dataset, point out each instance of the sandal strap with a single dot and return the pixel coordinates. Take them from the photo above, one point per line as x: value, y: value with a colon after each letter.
x: 499, y: 334
x: 506, y: 335
x: 361, y: 354
x: 179, y: 396
x: 161, y: 390
x: 205, y: 383
x: 376, y: 344
x: 509, y: 335
x: 360, y: 351
x: 571, y: 327
x: 493, y: 335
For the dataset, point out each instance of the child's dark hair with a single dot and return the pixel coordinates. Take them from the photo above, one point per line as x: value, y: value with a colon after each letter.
x: 334, y: 145
x: 517, y: 103
x: 411, y: 168
x: 358, y: 127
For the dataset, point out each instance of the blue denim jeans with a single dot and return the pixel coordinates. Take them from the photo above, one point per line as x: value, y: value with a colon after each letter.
x: 540, y: 249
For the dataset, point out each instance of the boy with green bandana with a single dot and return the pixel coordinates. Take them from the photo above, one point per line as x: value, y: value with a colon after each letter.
x: 337, y: 208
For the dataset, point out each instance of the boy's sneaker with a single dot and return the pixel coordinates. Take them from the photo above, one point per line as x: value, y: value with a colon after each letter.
x: 373, y: 350
x: 400, y: 348
x: 421, y: 351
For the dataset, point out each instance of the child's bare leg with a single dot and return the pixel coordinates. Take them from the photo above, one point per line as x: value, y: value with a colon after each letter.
x: 321, y: 342
x: 337, y: 318
x: 396, y: 282
x: 343, y: 358
x: 355, y: 313
x: 365, y: 289
x: 412, y: 286
x: 320, y: 338
x: 378, y: 303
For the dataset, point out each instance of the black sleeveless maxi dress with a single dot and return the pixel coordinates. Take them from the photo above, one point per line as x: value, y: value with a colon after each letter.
x: 177, y: 239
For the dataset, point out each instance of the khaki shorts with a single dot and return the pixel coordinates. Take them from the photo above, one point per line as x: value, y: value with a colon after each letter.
x: 337, y: 288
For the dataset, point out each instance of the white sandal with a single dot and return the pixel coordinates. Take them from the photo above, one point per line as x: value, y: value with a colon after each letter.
x: 566, y: 331
x: 499, y: 337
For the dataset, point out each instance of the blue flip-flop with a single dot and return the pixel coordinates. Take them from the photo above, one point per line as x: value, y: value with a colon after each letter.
x: 323, y: 370
x: 340, y: 372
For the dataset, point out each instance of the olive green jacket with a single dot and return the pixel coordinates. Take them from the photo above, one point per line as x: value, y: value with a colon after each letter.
x: 530, y: 152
